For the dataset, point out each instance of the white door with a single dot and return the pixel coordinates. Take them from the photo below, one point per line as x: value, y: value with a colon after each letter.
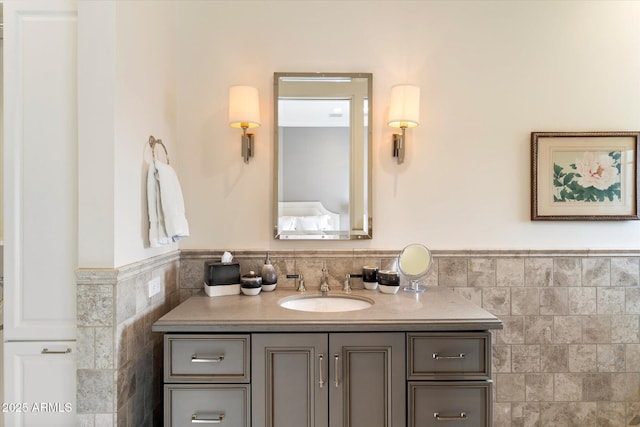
x: 40, y: 166
x: 40, y: 212
x: 41, y: 389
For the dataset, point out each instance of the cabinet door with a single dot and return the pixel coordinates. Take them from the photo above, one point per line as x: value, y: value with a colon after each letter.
x: 40, y: 170
x: 367, y: 380
x: 41, y: 387
x: 289, y: 380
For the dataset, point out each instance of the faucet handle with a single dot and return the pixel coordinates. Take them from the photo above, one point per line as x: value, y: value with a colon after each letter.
x: 300, y: 287
x: 324, y: 283
x: 347, y: 282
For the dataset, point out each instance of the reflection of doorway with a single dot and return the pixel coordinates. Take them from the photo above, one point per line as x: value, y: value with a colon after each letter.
x: 314, y: 149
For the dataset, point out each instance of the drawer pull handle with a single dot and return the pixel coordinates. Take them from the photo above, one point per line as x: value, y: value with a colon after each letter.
x: 196, y: 420
x: 456, y: 356
x: 461, y: 417
x: 207, y: 359
x: 320, y: 363
x: 47, y: 351
x: 336, y: 360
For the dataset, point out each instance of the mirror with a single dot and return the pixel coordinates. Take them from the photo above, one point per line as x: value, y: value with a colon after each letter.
x: 322, y: 156
x: 414, y: 263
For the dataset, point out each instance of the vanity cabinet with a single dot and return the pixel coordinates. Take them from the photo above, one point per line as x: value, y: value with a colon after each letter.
x: 412, y: 360
x: 335, y: 379
x: 338, y: 379
x: 448, y: 377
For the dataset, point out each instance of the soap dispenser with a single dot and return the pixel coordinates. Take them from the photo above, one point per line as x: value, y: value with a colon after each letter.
x: 269, y: 275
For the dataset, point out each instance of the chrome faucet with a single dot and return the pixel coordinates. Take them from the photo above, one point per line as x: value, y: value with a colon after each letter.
x: 324, y: 285
x: 300, y: 287
x: 347, y: 282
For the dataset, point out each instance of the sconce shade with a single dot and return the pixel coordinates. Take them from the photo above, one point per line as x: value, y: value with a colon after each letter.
x: 244, y: 107
x: 404, y: 107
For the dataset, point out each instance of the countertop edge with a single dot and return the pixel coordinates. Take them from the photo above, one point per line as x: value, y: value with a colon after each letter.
x: 327, y: 326
x: 436, y: 310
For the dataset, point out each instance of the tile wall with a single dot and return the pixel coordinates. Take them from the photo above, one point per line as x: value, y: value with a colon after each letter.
x: 569, y: 353
x: 119, y: 376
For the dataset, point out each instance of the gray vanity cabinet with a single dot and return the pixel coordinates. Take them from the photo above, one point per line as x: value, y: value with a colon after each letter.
x: 335, y: 379
x: 410, y: 361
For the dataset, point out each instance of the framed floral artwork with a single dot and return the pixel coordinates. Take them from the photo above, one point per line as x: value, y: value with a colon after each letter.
x: 584, y: 176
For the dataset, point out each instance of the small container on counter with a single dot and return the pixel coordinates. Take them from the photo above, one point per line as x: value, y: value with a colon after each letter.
x: 221, y: 279
x: 250, y: 283
x: 269, y: 275
x: 370, y: 277
x: 388, y: 281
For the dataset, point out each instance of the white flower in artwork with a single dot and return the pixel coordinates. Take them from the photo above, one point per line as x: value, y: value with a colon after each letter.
x: 597, y: 170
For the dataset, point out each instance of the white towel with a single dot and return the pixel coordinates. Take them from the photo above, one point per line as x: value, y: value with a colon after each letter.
x: 167, y: 220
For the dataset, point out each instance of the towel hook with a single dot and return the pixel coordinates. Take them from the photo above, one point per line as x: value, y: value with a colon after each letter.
x: 152, y: 143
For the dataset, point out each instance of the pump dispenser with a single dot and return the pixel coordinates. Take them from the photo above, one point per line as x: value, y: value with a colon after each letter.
x: 269, y: 275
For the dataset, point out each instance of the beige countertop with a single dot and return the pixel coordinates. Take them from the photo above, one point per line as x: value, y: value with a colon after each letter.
x: 437, y: 309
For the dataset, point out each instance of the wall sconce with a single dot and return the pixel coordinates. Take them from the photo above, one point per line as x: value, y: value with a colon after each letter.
x: 404, y: 112
x: 244, y: 112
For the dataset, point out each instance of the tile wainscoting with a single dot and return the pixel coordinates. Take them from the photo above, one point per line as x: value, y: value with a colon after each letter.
x: 119, y: 376
x: 569, y: 353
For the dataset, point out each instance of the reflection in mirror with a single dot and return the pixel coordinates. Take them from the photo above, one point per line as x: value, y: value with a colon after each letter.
x: 414, y: 263
x: 322, y: 155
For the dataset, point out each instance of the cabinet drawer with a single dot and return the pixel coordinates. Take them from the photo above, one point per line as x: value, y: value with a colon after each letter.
x: 446, y: 403
x: 451, y: 355
x: 206, y: 358
x: 188, y: 405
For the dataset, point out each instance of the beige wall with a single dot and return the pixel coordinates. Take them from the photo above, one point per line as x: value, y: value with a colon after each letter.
x: 490, y: 73
x: 126, y: 86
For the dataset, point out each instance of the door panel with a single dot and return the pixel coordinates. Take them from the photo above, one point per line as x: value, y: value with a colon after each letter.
x: 40, y: 170
x: 286, y: 380
x: 50, y: 403
x: 367, y: 380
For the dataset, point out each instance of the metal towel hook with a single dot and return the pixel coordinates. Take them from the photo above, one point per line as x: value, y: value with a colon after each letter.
x: 152, y: 143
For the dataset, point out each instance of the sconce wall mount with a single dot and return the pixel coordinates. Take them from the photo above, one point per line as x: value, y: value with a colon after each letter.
x: 244, y: 113
x: 404, y: 112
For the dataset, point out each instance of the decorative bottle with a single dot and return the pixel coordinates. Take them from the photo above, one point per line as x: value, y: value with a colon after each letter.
x: 269, y: 275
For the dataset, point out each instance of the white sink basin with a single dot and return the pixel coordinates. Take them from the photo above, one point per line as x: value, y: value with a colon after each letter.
x: 327, y: 303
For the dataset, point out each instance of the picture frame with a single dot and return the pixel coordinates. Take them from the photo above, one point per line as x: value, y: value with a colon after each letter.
x: 584, y: 176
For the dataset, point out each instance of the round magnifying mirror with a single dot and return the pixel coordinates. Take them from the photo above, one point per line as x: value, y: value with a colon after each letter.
x: 414, y: 263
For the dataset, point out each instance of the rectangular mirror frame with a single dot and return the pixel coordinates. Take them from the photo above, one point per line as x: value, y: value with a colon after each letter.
x: 365, y: 230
